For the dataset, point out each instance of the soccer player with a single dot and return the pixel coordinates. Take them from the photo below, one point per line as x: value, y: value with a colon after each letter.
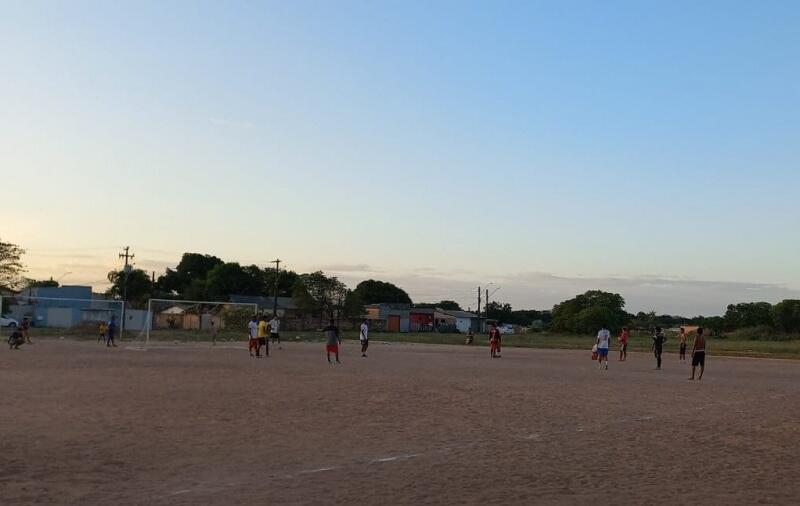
x: 102, y: 329
x: 252, y: 334
x: 110, y: 331
x: 15, y: 340
x: 699, y: 353
x: 26, y: 330
x: 262, y: 337
x: 332, y: 341
x: 275, y: 330
x: 623, y: 344
x: 214, y: 333
x: 603, y: 340
x: 682, y: 340
x: 494, y: 341
x: 363, y: 336
x: 658, y: 345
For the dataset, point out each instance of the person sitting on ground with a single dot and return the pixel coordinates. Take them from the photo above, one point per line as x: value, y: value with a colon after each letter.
x: 15, y: 340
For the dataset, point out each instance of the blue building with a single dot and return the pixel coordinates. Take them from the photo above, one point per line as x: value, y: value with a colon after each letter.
x: 64, y: 306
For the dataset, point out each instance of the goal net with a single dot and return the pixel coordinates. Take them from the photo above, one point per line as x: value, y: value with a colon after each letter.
x: 81, y: 317
x: 170, y: 321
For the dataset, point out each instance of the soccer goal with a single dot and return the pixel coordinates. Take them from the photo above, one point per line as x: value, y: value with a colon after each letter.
x: 80, y: 316
x: 169, y: 320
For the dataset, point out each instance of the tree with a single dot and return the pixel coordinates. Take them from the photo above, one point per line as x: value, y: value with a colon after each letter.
x: 231, y: 278
x: 192, y: 266
x: 748, y: 314
x: 325, y: 297
x: 11, y: 267
x: 445, y: 304
x: 375, y: 292
x: 786, y: 315
x: 286, y: 281
x: 139, y: 286
x: 499, y: 311
x: 586, y: 313
x: 44, y: 283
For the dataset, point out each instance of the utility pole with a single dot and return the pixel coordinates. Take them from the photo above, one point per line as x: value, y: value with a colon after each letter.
x: 127, y: 255
x: 277, y: 263
x: 486, y: 310
x: 479, y: 309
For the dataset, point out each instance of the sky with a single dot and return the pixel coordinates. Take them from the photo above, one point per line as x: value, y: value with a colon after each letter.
x: 547, y: 148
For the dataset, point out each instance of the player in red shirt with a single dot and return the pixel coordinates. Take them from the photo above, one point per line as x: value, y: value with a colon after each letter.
x: 494, y: 341
x: 623, y: 344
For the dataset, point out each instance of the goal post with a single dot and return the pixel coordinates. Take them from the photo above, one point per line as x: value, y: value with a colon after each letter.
x: 62, y: 312
x: 194, y: 320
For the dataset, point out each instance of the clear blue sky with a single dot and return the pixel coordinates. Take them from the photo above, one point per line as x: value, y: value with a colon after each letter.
x: 646, y: 147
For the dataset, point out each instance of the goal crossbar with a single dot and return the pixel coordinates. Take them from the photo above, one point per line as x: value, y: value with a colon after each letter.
x: 149, y: 325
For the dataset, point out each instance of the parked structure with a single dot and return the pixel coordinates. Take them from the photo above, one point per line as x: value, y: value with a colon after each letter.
x: 388, y: 317
x: 422, y: 319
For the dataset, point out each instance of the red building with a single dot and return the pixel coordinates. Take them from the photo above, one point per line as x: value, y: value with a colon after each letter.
x: 421, y: 320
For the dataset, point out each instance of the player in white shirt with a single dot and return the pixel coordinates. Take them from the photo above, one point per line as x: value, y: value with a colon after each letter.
x: 603, y: 342
x: 363, y: 336
x: 252, y: 332
x: 275, y: 330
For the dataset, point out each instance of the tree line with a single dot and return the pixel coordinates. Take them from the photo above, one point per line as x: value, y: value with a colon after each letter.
x: 206, y: 277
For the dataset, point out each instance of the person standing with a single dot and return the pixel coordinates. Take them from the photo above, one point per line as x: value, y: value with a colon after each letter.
x: 495, y: 341
x: 275, y: 330
x: 111, y: 332
x: 102, y: 329
x: 214, y: 333
x: 603, y: 341
x: 699, y: 353
x: 658, y: 345
x: 26, y: 329
x: 623, y: 344
x: 332, y: 341
x: 252, y: 335
x: 682, y: 340
x: 262, y: 337
x: 363, y: 336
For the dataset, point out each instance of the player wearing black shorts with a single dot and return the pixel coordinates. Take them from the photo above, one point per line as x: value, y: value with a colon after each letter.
x: 699, y: 353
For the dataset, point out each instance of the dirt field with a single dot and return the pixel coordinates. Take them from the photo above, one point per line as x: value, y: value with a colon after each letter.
x: 412, y: 424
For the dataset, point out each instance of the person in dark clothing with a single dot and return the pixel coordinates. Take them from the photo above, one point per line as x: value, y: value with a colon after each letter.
x: 658, y: 345
x: 15, y: 340
x: 112, y: 330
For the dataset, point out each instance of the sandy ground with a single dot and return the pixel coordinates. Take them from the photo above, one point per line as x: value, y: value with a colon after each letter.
x: 411, y: 424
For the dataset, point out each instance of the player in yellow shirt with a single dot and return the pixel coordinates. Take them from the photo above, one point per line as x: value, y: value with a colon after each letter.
x: 102, y: 332
x: 262, y: 336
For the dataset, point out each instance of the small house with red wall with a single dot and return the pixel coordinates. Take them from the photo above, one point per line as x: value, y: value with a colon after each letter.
x: 421, y: 319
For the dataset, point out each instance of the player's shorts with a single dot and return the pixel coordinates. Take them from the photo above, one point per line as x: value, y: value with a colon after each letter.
x: 275, y: 335
x: 602, y: 352
x: 683, y: 347
x: 699, y: 358
x: 332, y: 348
x: 252, y: 343
x: 262, y: 341
x: 495, y: 345
x: 624, y: 347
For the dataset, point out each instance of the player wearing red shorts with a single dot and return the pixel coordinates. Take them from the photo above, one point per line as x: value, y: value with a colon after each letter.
x: 332, y: 341
x: 495, y: 340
